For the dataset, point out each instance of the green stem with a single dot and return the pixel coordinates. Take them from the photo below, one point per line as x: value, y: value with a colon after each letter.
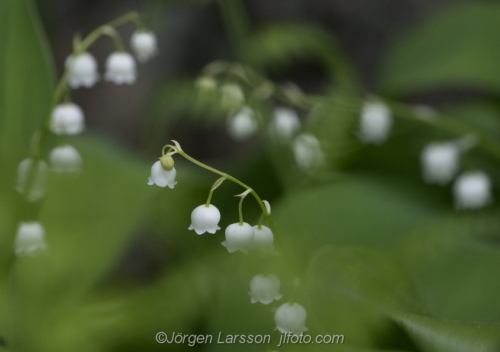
x: 240, y: 210
x: 207, y: 204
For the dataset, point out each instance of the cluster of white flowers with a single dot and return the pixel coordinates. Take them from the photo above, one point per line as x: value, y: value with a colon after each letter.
x: 67, y: 119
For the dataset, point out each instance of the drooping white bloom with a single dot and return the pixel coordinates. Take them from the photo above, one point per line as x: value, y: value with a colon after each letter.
x: 242, y: 125
x: 30, y: 239
x: 284, y: 124
x: 375, y: 123
x: 232, y: 96
x: 38, y: 183
x: 291, y: 317
x: 144, y: 45
x: 67, y: 118
x: 65, y: 159
x: 440, y: 162
x: 264, y: 289
x: 161, y: 177
x: 120, y: 68
x: 82, y: 70
x: 307, y: 151
x: 472, y: 190
x: 205, y: 219
x: 263, y: 239
x: 238, y: 237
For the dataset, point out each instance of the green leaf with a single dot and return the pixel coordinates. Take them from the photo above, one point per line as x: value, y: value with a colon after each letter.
x: 456, y: 48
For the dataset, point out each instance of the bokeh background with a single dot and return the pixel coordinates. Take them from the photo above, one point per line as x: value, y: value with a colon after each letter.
x: 384, y: 258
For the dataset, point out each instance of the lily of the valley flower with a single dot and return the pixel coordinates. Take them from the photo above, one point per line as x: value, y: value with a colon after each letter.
x: 67, y: 118
x: 472, y: 190
x: 242, y: 125
x: 284, y: 124
x: 375, y: 123
x: 238, y: 237
x: 232, y: 96
x: 264, y: 289
x: 38, y: 182
x: 307, y: 151
x: 120, y: 68
x: 162, y: 177
x: 30, y: 239
x: 440, y: 162
x: 291, y: 317
x: 82, y: 70
x: 263, y: 239
x: 205, y: 219
x: 144, y: 45
x: 65, y: 159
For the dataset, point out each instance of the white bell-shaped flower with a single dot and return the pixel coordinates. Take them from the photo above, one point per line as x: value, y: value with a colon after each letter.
x: 263, y: 239
x: 284, y: 124
x: 375, y: 123
x: 67, y: 118
x: 30, y: 239
x: 232, y: 96
x: 65, y: 159
x: 238, y: 237
x: 264, y: 289
x: 82, y: 70
x: 162, y: 177
x: 38, y: 184
x: 307, y: 151
x: 205, y: 219
x: 440, y: 162
x: 242, y: 125
x: 144, y: 45
x: 472, y: 190
x: 291, y: 317
x: 120, y: 68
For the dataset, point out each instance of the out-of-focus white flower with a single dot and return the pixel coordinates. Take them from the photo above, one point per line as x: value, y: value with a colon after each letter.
x: 263, y: 239
x: 120, y: 68
x: 440, y: 162
x: 205, y: 219
x: 30, y: 239
x: 67, y: 118
x: 162, y: 177
x: 82, y: 70
x: 206, y: 84
x: 38, y: 184
x: 65, y: 159
x: 472, y: 190
x: 291, y: 317
x: 264, y: 289
x: 307, y: 151
x: 375, y: 123
x: 284, y: 124
x: 242, y: 125
x: 232, y: 96
x: 144, y: 45
x: 238, y: 237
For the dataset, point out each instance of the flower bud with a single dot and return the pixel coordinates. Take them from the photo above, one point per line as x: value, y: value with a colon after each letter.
x: 162, y: 177
x: 65, y: 159
x: 30, y: 239
x: 375, y: 123
x: 167, y: 162
x: 307, y: 151
x: 472, y: 190
x: 120, y: 68
x: 238, y: 237
x: 440, y: 162
x: 291, y: 317
x: 264, y: 289
x: 242, y: 125
x: 82, y: 70
x: 232, y: 96
x: 144, y: 45
x: 205, y: 219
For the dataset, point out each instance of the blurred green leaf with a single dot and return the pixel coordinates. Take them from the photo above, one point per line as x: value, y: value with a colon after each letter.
x: 456, y: 48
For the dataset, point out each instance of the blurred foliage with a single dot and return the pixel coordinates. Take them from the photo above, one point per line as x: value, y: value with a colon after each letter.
x: 383, y: 258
